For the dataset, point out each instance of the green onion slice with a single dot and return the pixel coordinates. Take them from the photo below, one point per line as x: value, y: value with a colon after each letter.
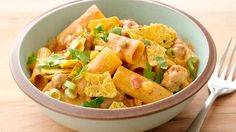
x: 55, y: 93
x: 117, y: 30
x: 191, y: 66
x: 70, y: 93
x: 70, y: 85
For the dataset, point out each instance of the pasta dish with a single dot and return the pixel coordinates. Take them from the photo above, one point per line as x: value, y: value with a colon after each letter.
x: 110, y: 63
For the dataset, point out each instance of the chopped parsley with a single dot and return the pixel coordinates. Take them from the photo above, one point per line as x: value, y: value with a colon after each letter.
x: 31, y: 59
x: 155, y: 76
x: 54, y: 60
x: 79, y: 55
x: 98, y: 28
x: 100, y: 33
x: 159, y: 75
x: 162, y: 63
x: 94, y: 103
x: 117, y: 30
x: 148, y: 72
x: 80, y: 72
x: 104, y: 36
x: 73, y: 53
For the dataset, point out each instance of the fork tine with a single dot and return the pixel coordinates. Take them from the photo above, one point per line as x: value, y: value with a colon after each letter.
x: 222, y: 60
x: 232, y: 72
x: 226, y: 69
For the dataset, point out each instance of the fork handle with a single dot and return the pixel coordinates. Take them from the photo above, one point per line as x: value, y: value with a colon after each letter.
x: 198, y: 121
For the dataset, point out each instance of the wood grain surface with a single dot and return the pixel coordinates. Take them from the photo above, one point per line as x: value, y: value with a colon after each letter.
x: 19, y: 113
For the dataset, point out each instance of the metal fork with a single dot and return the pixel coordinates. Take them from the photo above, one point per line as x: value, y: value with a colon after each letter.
x: 219, y: 84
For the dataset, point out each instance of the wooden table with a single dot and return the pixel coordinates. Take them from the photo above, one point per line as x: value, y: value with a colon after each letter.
x: 19, y: 113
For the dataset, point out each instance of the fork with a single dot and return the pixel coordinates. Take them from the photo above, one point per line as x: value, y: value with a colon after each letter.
x: 219, y: 84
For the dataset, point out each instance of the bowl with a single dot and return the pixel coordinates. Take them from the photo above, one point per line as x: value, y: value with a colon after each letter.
x: 140, y: 118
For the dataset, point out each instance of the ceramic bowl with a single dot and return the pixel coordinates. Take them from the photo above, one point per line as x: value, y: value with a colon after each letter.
x: 140, y: 118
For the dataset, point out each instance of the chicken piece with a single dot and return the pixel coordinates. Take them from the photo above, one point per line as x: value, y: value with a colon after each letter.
x: 89, y: 41
x: 129, y: 102
x: 127, y: 24
x: 58, y: 80
x: 175, y: 78
x: 180, y: 50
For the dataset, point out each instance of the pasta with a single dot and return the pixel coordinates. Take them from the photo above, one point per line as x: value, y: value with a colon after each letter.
x: 139, y: 66
x: 77, y: 27
x: 105, y: 61
x: 139, y: 87
x: 111, y: 63
x: 129, y: 50
x: 36, y: 78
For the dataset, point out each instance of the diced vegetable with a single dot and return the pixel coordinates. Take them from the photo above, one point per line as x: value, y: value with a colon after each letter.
x: 47, y: 93
x: 191, y: 63
x: 117, y: 30
x: 70, y: 93
x: 94, y: 103
x: 55, y: 93
x: 70, y: 85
